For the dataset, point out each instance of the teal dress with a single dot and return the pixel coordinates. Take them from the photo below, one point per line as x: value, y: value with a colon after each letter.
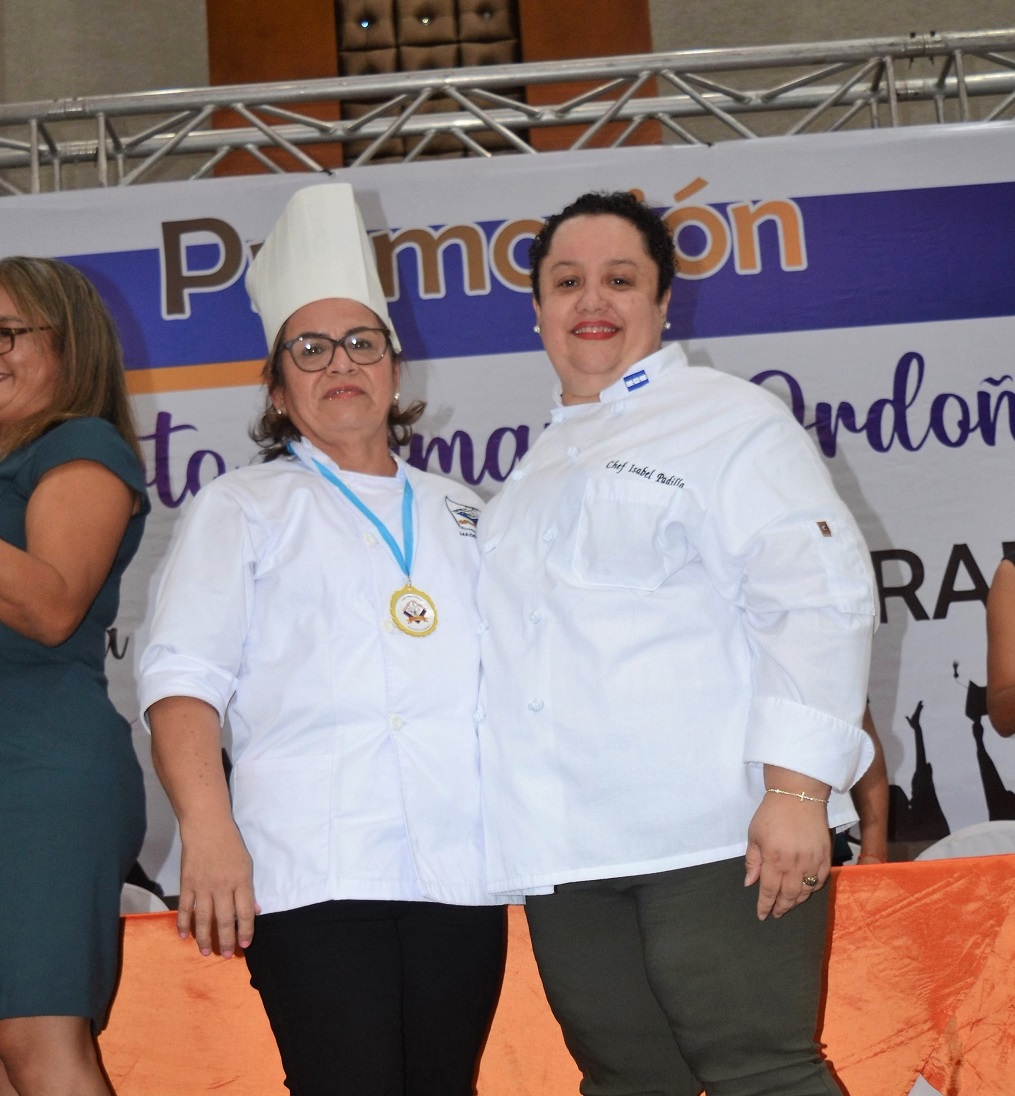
x: 72, y: 813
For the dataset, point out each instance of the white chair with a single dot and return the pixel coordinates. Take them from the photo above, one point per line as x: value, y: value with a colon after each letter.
x: 135, y: 899
x: 923, y: 1088
x: 981, y: 839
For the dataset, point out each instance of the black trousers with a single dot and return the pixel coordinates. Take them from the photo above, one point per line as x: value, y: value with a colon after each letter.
x: 370, y: 998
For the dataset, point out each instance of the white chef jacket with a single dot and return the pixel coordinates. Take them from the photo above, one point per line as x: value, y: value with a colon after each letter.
x: 673, y: 595
x: 355, y: 767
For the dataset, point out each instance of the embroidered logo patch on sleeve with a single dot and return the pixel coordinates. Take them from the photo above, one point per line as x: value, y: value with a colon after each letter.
x: 825, y: 529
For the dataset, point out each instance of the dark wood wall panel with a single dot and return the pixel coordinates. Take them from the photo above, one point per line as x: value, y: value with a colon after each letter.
x: 250, y: 41
x: 265, y: 41
x: 254, y: 41
x: 591, y: 28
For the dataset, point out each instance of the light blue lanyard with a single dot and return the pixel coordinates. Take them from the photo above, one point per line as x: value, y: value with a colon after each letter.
x: 402, y: 558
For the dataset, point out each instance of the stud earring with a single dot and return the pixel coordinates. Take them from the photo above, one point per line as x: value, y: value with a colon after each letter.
x: 395, y: 400
x: 536, y: 328
x: 279, y: 411
x: 667, y: 325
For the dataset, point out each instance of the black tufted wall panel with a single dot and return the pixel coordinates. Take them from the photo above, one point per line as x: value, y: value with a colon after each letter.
x: 365, y: 25
x: 379, y: 36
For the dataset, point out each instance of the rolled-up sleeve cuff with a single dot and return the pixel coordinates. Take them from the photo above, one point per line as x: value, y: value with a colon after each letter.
x: 181, y: 676
x: 790, y: 735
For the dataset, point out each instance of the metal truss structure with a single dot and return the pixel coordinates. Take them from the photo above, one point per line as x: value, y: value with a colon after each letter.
x: 690, y: 96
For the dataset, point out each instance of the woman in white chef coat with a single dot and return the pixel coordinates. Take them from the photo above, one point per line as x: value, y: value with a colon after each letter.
x: 679, y: 615
x: 325, y: 599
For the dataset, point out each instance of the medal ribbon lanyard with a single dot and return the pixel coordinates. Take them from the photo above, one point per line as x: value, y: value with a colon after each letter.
x: 402, y: 557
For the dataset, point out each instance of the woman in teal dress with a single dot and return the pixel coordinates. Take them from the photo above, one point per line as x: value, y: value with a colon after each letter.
x: 72, y: 509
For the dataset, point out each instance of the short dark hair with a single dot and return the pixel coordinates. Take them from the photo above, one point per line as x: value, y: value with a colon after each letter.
x: 655, y: 234
x: 273, y: 431
x: 53, y: 293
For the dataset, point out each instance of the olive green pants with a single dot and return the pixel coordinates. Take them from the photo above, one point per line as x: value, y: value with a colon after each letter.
x: 666, y: 984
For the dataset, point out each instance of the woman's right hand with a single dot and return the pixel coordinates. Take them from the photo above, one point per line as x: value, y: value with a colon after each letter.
x: 216, y: 873
x: 217, y: 903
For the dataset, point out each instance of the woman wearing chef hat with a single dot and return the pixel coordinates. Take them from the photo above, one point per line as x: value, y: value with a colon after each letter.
x: 324, y: 600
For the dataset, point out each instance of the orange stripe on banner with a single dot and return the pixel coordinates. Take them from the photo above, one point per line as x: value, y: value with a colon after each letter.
x: 180, y: 378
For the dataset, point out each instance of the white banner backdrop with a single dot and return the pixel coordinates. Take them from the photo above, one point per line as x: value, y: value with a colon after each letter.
x: 868, y: 279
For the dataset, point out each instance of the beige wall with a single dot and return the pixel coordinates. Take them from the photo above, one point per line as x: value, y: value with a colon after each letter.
x: 50, y: 49
x: 677, y: 24
x: 55, y: 48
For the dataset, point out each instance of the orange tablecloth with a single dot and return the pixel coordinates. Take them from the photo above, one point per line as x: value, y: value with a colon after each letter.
x: 921, y: 978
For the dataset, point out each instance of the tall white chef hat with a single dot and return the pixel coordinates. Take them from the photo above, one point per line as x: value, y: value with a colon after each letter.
x: 317, y: 249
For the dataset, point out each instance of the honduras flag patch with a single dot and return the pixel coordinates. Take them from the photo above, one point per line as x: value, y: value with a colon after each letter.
x: 635, y: 380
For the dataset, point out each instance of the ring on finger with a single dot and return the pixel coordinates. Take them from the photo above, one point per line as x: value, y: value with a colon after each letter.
x: 810, y: 880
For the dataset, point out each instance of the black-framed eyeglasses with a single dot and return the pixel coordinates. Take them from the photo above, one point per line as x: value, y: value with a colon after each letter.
x: 9, y: 334
x: 363, y: 346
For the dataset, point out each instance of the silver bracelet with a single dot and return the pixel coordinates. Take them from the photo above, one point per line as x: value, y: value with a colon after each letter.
x: 802, y: 796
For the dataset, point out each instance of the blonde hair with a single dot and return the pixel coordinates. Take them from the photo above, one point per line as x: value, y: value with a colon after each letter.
x: 92, y: 382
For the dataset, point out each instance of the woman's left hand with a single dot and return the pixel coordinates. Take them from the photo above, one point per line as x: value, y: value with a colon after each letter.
x: 788, y: 843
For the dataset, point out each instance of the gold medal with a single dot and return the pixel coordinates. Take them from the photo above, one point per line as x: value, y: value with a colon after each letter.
x: 413, y: 612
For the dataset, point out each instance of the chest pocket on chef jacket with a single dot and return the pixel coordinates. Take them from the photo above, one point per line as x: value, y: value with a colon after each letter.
x: 623, y: 538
